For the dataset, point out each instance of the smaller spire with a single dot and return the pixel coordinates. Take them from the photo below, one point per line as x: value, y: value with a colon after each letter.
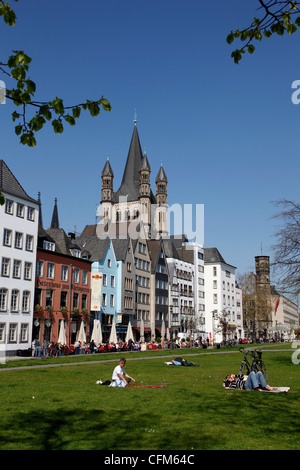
x: 135, y: 117
x: 40, y: 210
x: 55, y: 221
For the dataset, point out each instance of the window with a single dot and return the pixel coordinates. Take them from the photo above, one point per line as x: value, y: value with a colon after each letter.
x: 49, y: 298
x: 26, y: 301
x: 215, y: 284
x: 24, y: 333
x: 5, y: 267
x: 17, y: 269
x: 215, y: 299
x: 84, y: 277
x: 14, y: 302
x: 75, y: 300
x: 27, y: 271
x: 18, y: 240
x: 20, y: 210
x: 30, y: 213
x: 64, y: 273
x: 50, y: 246
x: 83, y: 301
x: 214, y: 271
x: 50, y: 270
x: 63, y: 299
x: 7, y: 237
x: 104, y: 300
x: 12, y: 333
x: 109, y: 263
x: 112, y: 300
x: 76, y: 275
x: 9, y: 207
x: 2, y: 332
x: 104, y: 280
x: 112, y: 281
x: 29, y: 243
x: 39, y: 268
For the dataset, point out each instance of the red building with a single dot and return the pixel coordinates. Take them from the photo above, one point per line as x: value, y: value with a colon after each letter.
x: 62, y: 286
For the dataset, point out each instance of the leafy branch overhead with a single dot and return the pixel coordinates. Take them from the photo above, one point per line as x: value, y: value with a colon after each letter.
x: 278, y: 17
x: 30, y: 115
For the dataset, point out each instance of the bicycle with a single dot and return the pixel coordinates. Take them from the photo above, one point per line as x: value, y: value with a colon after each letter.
x: 255, y: 365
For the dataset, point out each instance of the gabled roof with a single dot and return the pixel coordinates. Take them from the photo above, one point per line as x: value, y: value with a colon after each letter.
x: 212, y: 256
x: 10, y: 185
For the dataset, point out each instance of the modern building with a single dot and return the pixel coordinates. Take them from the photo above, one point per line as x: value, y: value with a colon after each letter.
x: 220, y: 296
x: 19, y: 230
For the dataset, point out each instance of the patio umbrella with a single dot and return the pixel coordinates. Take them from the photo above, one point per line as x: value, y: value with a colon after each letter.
x: 99, y: 332
x: 94, y: 332
x: 129, y: 334
x: 142, y: 331
x: 113, y: 333
x: 62, y: 339
x: 81, y: 335
x: 163, y: 330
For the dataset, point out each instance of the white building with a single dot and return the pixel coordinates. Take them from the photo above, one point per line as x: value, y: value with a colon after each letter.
x: 220, y: 295
x: 18, y: 230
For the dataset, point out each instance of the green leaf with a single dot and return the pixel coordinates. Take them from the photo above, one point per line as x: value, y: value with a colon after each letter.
x: 58, y: 106
x: 76, y: 112
x: 236, y: 56
x: 251, y: 48
x: 70, y: 119
x: 267, y: 33
x: 57, y: 126
x: 230, y: 38
x: 105, y: 104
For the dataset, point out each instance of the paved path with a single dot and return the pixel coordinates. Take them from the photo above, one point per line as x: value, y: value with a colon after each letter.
x: 178, y: 352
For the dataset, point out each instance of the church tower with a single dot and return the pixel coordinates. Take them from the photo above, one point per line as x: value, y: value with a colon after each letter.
x: 107, y: 176
x: 162, y: 202
x: 145, y: 193
x: 262, y: 269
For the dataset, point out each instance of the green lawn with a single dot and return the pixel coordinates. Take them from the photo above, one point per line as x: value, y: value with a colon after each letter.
x: 69, y: 411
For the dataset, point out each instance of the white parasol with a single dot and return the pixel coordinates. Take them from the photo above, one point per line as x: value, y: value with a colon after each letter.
x: 113, y: 333
x: 82, y: 335
x: 62, y: 339
x: 129, y: 334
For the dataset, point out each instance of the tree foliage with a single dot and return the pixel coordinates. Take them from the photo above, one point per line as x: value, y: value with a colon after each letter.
x: 31, y: 115
x: 277, y: 17
x: 286, y: 260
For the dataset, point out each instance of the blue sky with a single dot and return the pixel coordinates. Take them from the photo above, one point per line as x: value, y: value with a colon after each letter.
x: 227, y: 134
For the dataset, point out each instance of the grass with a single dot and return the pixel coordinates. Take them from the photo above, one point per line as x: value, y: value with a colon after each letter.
x: 70, y: 412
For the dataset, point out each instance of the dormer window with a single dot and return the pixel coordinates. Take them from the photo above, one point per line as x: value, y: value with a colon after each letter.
x: 75, y: 252
x: 50, y: 246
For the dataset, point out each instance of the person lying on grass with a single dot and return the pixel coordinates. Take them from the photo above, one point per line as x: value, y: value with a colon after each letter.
x: 179, y: 361
x: 254, y: 381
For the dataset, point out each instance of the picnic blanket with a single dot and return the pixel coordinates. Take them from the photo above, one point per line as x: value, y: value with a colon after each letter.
x: 275, y: 390
x: 146, y: 386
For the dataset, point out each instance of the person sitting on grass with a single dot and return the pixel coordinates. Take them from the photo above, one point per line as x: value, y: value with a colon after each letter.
x: 254, y: 381
x: 119, y: 377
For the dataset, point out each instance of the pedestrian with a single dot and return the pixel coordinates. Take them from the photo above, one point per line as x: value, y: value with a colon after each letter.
x: 119, y: 376
x: 37, y: 348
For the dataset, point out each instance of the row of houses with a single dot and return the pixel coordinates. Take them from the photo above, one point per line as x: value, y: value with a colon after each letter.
x: 49, y: 277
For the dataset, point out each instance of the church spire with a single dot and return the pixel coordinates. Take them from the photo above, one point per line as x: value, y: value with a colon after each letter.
x: 55, y: 221
x: 40, y: 210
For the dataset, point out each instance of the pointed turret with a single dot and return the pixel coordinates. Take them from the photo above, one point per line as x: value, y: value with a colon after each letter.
x: 161, y: 181
x: 107, y: 176
x: 55, y: 221
x: 144, y: 178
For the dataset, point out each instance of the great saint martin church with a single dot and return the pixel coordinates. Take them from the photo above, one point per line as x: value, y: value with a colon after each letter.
x: 134, y: 205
